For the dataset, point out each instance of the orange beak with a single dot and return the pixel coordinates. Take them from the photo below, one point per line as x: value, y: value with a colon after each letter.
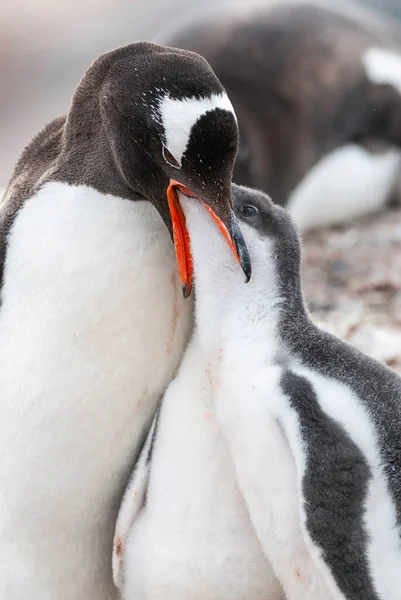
x: 181, y: 238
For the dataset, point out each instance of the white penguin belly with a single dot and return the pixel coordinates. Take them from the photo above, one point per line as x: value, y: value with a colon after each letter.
x: 193, y: 539
x: 346, y: 184
x: 92, y: 328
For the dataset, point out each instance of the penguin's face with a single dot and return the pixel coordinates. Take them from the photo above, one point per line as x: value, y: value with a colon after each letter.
x: 273, y: 245
x: 270, y: 233
x: 199, y: 144
x: 172, y: 127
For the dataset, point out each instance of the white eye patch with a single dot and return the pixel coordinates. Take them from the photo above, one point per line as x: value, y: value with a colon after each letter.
x: 383, y: 66
x: 179, y: 116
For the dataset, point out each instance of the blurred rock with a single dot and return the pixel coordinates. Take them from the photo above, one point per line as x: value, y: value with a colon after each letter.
x: 352, y: 282
x: 382, y: 343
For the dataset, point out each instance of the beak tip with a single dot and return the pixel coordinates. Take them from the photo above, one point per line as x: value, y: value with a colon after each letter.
x: 186, y: 290
x: 246, y: 267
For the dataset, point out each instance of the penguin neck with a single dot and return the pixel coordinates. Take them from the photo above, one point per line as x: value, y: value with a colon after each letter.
x: 239, y: 325
x: 87, y: 154
x: 249, y: 324
x: 86, y: 157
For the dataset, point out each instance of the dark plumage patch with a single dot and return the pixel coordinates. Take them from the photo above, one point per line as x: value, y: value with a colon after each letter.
x: 334, y: 490
x: 377, y: 387
x: 210, y: 157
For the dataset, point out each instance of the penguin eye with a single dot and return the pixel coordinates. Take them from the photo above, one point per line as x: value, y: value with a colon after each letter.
x: 169, y: 158
x: 249, y: 212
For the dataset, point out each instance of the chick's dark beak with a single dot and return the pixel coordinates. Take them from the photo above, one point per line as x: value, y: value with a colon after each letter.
x: 242, y: 253
x: 231, y: 233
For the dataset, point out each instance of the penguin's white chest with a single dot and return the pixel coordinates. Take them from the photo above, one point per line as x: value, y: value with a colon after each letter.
x: 346, y: 184
x: 193, y: 539
x: 92, y: 327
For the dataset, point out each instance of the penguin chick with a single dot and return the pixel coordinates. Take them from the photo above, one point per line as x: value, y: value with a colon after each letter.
x: 311, y: 424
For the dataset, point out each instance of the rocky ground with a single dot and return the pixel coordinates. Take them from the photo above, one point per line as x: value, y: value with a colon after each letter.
x: 352, y: 281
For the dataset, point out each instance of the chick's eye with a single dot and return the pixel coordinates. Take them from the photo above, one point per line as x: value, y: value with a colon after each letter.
x: 169, y: 158
x: 248, y: 211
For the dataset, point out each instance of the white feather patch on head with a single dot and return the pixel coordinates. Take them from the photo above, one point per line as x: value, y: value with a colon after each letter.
x: 383, y: 66
x: 179, y: 116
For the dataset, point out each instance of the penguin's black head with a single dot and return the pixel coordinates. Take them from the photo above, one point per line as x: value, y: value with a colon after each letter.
x: 171, y: 126
x: 254, y: 209
x: 271, y: 237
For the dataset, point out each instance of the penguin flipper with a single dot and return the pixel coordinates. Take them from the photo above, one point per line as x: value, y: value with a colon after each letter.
x: 250, y: 414
x: 133, y: 501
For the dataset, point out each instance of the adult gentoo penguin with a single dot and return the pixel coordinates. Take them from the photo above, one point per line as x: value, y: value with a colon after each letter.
x: 183, y: 530
x: 316, y: 89
x: 312, y: 425
x: 92, y: 319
